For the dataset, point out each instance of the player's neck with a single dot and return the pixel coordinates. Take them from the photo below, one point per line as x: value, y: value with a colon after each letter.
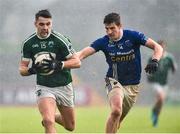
x: 43, y: 37
x: 120, y: 36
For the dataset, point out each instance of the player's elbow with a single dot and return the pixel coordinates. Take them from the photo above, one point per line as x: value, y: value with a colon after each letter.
x: 23, y: 72
x: 160, y: 50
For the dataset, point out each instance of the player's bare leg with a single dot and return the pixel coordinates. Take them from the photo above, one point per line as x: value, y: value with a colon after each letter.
x: 47, y: 108
x: 159, y: 102
x: 58, y: 119
x: 66, y: 118
x: 116, y: 111
x: 157, y: 107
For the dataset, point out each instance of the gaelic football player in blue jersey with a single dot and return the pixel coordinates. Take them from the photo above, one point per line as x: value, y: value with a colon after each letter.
x: 52, y: 56
x: 122, y: 51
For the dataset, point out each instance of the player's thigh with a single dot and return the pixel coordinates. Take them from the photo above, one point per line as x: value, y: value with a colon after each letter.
x: 47, y: 107
x: 116, y: 98
x: 68, y: 114
x: 161, y: 95
x: 160, y: 91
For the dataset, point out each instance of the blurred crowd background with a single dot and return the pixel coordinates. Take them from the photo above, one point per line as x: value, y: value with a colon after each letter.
x: 82, y: 22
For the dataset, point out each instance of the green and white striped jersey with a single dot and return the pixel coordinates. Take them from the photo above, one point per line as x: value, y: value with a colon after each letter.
x: 56, y: 44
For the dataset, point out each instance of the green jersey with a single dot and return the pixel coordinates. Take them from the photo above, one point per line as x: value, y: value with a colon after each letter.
x: 56, y: 44
x: 166, y: 64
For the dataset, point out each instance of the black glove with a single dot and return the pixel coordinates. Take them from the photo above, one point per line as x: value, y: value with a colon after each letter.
x: 35, y: 68
x: 152, y: 66
x: 52, y: 64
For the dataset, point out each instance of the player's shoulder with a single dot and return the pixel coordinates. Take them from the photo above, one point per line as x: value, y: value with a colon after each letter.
x: 60, y: 37
x: 168, y: 55
x: 56, y: 34
x: 29, y: 38
x: 28, y: 41
x: 131, y: 32
x: 102, y: 39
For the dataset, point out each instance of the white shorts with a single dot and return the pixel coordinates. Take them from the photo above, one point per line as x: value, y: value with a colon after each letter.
x: 159, y: 88
x: 63, y: 95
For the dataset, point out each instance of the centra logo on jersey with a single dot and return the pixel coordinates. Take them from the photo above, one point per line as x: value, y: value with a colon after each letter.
x: 122, y: 58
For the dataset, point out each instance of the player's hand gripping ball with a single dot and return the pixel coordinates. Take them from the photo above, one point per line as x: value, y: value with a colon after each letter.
x: 52, y: 63
x: 41, y: 61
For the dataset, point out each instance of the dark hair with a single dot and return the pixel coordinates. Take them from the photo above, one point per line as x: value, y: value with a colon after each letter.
x: 161, y: 42
x: 43, y: 13
x: 112, y: 18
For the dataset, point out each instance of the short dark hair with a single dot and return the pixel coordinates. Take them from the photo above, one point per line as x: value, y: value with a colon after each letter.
x: 43, y: 13
x: 161, y: 42
x: 112, y: 18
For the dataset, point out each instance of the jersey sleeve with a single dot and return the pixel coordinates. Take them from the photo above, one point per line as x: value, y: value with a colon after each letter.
x: 172, y: 61
x: 25, y: 52
x: 140, y: 38
x: 65, y: 45
x: 67, y: 49
x: 70, y: 51
x: 97, y: 45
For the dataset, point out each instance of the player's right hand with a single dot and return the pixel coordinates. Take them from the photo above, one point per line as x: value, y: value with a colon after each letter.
x: 35, y: 68
x: 152, y: 66
x: 53, y: 64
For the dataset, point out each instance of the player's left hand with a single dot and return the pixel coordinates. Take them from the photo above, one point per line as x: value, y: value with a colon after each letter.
x: 53, y: 64
x: 152, y: 66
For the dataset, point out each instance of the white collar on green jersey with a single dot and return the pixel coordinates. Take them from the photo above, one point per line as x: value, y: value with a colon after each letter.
x: 41, y: 37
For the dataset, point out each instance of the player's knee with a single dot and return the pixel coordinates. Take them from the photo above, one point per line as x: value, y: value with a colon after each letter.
x: 70, y: 126
x: 161, y: 98
x: 116, y: 112
x: 48, y: 122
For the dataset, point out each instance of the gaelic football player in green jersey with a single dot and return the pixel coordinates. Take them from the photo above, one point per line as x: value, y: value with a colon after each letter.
x: 52, y: 57
x: 159, y: 81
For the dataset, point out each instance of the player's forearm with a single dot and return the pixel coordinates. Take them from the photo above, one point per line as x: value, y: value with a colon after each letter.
x: 158, y: 51
x: 85, y: 52
x: 79, y: 54
x: 72, y: 63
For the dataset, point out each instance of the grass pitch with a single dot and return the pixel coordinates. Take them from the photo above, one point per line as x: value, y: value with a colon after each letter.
x: 91, y: 120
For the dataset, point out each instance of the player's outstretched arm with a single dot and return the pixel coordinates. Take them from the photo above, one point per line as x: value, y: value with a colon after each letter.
x: 152, y: 66
x: 72, y: 62
x: 158, y: 50
x: 87, y: 51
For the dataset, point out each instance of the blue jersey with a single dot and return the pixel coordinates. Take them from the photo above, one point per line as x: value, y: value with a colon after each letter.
x: 123, y: 56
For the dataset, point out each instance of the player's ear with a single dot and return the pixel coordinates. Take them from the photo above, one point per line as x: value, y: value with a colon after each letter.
x: 120, y: 25
x: 35, y: 23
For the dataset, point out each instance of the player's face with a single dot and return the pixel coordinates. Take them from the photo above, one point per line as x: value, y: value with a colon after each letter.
x: 113, y: 31
x: 43, y: 26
